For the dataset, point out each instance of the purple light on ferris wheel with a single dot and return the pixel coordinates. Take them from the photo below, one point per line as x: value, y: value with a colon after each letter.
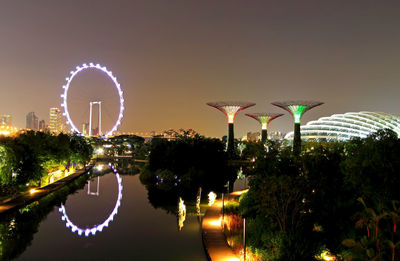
x: 96, y: 228
x: 117, y: 85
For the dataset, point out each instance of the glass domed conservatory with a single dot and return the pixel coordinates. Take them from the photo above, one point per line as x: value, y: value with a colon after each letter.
x: 349, y: 125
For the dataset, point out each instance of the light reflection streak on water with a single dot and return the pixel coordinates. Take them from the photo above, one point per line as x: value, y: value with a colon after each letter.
x: 95, y: 228
x: 181, y: 213
x: 198, y: 201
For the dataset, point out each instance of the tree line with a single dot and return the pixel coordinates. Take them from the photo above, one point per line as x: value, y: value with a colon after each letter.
x: 338, y: 196
x: 29, y: 157
x: 181, y: 166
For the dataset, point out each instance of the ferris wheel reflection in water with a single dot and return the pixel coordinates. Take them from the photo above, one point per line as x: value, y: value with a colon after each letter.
x: 99, y: 227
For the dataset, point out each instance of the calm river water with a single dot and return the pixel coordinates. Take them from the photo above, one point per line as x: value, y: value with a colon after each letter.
x: 135, y: 231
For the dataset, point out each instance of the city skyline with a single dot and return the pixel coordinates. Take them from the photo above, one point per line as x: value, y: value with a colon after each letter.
x: 170, y: 60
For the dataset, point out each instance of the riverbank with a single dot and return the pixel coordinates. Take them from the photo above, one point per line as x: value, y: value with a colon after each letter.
x: 24, y: 198
x: 214, y: 241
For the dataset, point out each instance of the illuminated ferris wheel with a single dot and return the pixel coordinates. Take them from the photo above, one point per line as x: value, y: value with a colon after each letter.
x: 117, y: 85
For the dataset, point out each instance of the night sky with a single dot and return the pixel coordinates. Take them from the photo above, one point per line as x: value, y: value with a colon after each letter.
x: 171, y: 57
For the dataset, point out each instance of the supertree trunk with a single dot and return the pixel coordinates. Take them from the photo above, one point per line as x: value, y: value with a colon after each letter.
x: 297, y: 139
x: 231, y: 141
x: 264, y: 135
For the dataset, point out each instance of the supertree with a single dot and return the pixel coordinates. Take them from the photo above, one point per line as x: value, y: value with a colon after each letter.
x: 264, y: 118
x: 297, y: 109
x: 231, y: 109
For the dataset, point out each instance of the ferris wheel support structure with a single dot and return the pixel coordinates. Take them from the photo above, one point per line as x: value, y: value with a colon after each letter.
x: 90, y: 117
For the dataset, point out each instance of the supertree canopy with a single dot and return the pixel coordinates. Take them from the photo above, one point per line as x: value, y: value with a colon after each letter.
x: 297, y: 109
x: 264, y: 118
x: 230, y: 109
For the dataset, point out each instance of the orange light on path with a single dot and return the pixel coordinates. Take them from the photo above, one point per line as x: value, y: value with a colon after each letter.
x: 240, y: 192
x: 33, y: 191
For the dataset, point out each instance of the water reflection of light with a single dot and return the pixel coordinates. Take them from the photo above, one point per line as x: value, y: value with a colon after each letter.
x: 215, y: 222
x: 211, y: 198
x: 198, y: 200
x: 33, y: 191
x: 99, y: 151
x: 97, y: 193
x: 99, y: 167
x: 181, y: 213
x: 239, y: 193
x: 95, y: 228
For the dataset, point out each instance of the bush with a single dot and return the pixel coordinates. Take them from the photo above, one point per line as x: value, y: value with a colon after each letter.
x: 231, y: 207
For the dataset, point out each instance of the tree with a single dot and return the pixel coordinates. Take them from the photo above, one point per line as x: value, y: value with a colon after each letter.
x: 278, y: 202
x: 372, y: 166
x: 331, y: 200
x: 192, y: 162
x: 7, y: 164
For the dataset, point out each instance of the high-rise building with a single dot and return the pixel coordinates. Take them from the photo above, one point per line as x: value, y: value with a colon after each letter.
x: 32, y: 121
x: 42, y: 125
x: 5, y: 120
x: 55, y: 125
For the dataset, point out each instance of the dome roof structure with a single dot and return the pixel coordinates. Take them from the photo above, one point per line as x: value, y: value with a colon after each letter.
x: 343, y: 127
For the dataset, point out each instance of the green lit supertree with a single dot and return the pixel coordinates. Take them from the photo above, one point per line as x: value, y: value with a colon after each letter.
x: 297, y: 109
x: 231, y: 109
x: 264, y: 119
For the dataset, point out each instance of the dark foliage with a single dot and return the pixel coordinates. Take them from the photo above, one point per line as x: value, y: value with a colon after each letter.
x: 181, y: 166
x: 298, y: 205
x: 37, y: 153
x: 17, y: 228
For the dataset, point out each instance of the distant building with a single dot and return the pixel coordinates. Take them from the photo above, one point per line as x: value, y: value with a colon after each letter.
x: 253, y: 136
x: 42, y: 125
x: 85, y: 128
x: 95, y: 131
x: 55, y: 124
x: 187, y: 133
x: 173, y: 134
x: 5, y: 120
x: 32, y: 121
x: 276, y: 135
